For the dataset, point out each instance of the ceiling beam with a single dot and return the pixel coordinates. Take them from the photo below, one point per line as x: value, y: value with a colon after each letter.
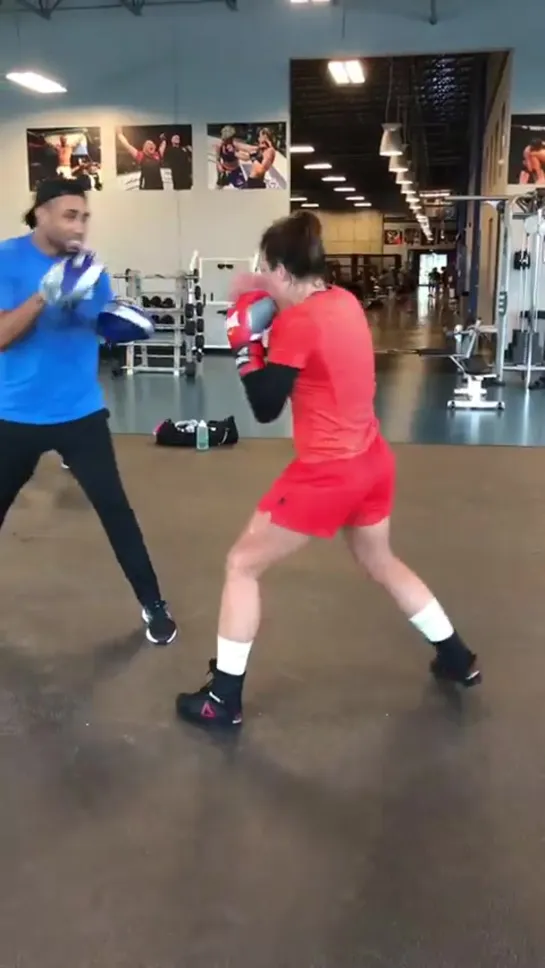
x: 43, y: 8
x: 133, y: 6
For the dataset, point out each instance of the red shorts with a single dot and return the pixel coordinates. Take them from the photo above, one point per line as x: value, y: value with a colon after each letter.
x: 320, y: 498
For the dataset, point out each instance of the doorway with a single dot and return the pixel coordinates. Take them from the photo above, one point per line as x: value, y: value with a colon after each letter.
x: 428, y: 262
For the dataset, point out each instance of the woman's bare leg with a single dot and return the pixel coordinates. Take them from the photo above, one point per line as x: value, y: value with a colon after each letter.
x: 371, y: 548
x: 261, y: 545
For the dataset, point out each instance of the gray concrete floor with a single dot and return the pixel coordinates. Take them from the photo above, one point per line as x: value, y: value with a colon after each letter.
x: 363, y: 819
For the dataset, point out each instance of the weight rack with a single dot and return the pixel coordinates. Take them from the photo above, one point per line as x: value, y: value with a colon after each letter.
x: 176, y: 307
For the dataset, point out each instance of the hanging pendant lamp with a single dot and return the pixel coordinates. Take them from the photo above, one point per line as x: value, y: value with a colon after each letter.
x: 391, y: 145
x: 398, y: 164
x: 403, y: 178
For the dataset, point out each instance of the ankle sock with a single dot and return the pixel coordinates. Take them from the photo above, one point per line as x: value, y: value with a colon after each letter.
x: 433, y: 623
x: 233, y: 656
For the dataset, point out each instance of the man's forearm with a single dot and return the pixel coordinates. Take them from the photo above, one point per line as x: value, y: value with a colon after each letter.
x: 15, y: 323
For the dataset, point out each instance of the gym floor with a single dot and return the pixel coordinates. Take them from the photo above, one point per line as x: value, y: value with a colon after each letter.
x: 363, y: 817
x: 412, y: 393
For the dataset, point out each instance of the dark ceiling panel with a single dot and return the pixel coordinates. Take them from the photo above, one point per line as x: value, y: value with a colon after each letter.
x: 434, y: 95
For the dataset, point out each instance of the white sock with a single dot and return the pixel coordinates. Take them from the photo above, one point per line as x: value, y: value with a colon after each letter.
x: 433, y: 622
x: 233, y: 656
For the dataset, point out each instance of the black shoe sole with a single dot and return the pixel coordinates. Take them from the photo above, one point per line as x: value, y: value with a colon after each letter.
x: 473, y: 679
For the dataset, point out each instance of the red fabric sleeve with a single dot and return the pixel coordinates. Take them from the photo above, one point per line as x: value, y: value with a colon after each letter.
x: 289, y: 339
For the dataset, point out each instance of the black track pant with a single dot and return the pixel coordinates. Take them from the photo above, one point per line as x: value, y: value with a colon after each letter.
x: 86, y: 446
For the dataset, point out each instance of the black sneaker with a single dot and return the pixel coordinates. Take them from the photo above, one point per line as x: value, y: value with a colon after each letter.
x: 161, y: 627
x: 206, y: 708
x: 460, y: 668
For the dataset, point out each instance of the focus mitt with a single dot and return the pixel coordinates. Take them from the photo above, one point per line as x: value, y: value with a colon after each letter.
x: 124, y: 322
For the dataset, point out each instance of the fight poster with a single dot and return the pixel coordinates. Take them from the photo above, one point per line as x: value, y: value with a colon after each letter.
x: 73, y: 152
x: 246, y: 157
x: 154, y: 157
x: 527, y: 150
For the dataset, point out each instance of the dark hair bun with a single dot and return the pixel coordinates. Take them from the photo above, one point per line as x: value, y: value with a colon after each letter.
x: 307, y: 223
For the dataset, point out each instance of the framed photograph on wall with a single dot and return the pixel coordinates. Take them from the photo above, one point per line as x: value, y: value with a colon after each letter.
x: 73, y: 152
x: 247, y: 156
x: 527, y: 150
x: 154, y: 157
x: 393, y: 237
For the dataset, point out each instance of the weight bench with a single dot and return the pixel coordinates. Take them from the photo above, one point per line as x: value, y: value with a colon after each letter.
x: 472, y: 395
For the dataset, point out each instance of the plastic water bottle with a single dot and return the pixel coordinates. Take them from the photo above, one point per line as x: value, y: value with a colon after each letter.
x: 203, y: 439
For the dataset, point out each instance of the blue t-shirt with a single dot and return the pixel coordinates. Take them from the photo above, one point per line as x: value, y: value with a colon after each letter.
x: 50, y: 375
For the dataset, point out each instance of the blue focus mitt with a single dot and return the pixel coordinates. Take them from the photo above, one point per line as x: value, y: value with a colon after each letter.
x: 122, y: 321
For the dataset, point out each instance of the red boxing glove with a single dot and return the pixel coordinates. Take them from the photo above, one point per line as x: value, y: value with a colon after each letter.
x: 247, y: 321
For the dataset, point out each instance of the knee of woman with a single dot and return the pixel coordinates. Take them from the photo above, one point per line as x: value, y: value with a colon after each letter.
x: 239, y: 562
x: 379, y: 567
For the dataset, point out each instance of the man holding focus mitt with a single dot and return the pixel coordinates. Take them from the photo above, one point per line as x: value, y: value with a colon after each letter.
x: 55, y: 300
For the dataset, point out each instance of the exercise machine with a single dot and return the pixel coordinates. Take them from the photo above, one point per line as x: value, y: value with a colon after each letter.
x: 474, y: 370
x: 520, y: 296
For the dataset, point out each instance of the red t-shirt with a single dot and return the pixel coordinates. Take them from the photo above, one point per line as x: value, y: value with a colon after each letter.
x: 328, y: 339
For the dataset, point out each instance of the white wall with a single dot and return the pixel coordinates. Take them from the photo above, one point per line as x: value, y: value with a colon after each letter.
x: 351, y: 234
x: 201, y: 63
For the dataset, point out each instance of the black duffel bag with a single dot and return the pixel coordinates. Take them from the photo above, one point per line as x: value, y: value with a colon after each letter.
x: 183, y: 433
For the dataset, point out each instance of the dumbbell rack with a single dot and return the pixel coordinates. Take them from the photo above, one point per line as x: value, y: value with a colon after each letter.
x: 175, y: 305
x: 161, y: 296
x: 194, y: 302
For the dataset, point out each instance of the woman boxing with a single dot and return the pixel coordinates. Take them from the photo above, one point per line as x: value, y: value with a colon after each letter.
x: 229, y: 170
x: 262, y: 157
x: 343, y: 477
x: 533, y: 164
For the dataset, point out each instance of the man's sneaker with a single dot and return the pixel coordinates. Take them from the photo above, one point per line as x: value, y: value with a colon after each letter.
x: 208, y: 709
x: 460, y: 668
x: 161, y: 627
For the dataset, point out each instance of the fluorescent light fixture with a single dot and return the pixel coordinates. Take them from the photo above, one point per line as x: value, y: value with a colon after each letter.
x: 355, y: 71
x: 346, y: 72
x: 319, y: 166
x: 443, y: 193
x: 310, y: 205
x: 310, y: 1
x: 298, y: 198
x: 355, y: 198
x: 333, y: 178
x: 301, y: 150
x: 390, y: 143
x: 344, y: 189
x: 35, y: 82
x: 362, y: 204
